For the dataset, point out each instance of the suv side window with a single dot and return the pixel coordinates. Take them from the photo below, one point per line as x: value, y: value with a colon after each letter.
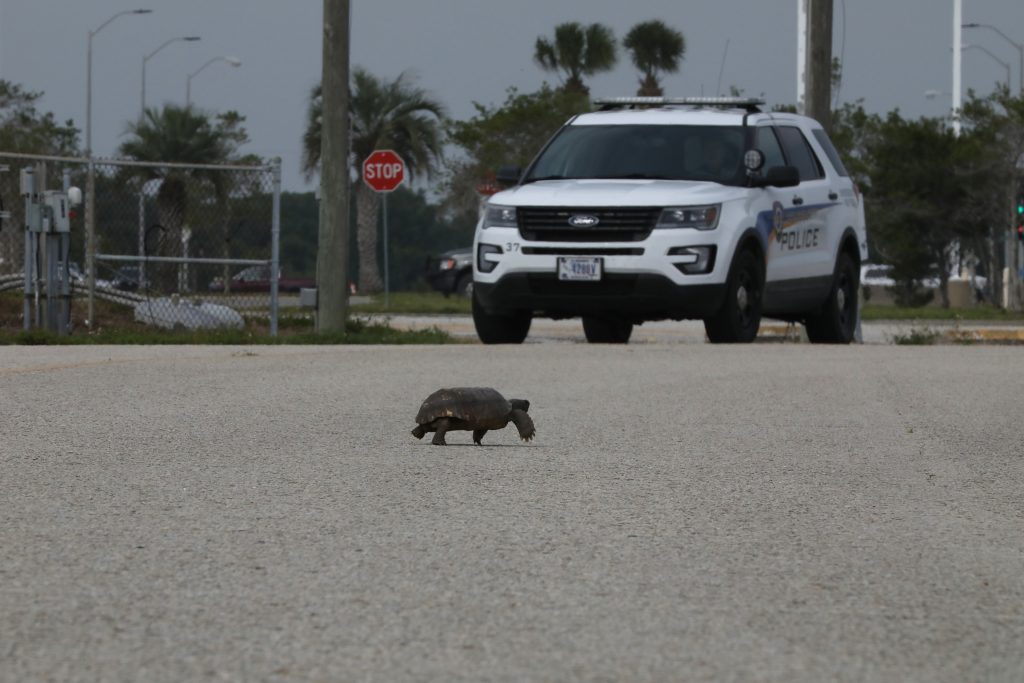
x: 800, y: 153
x: 831, y: 152
x: 769, y: 144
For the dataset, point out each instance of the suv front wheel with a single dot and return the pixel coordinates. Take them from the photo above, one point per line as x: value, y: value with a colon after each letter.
x: 836, y: 323
x: 500, y: 329
x: 740, y: 315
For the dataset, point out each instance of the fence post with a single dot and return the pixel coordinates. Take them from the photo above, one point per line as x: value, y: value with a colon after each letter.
x: 275, y: 243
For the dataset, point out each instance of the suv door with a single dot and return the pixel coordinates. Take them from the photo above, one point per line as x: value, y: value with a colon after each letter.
x: 803, y: 243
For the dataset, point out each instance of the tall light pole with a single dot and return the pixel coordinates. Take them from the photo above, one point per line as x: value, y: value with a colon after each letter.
x: 142, y: 111
x: 1006, y: 65
x: 958, y: 55
x: 1011, y: 41
x: 233, y: 61
x: 90, y: 190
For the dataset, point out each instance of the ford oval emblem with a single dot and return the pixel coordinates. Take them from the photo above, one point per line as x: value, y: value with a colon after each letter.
x: 583, y: 220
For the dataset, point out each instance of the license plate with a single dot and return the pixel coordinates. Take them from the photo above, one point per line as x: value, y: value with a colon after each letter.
x: 580, y: 268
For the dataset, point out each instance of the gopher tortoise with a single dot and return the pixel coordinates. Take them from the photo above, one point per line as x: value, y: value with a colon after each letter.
x: 476, y: 409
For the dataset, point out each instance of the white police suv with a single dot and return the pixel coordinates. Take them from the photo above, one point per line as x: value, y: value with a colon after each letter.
x: 657, y: 208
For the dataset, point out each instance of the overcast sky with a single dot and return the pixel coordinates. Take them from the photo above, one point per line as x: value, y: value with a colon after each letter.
x: 469, y: 50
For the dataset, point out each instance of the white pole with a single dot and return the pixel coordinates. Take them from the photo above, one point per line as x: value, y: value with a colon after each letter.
x: 957, y: 60
x: 801, y: 55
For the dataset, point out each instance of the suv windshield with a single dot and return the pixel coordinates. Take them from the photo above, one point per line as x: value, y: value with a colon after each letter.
x: 710, y: 153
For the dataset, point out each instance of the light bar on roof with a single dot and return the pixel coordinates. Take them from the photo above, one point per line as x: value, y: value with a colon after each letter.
x: 710, y: 101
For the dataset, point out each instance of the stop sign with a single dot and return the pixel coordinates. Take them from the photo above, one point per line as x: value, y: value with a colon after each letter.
x: 383, y: 170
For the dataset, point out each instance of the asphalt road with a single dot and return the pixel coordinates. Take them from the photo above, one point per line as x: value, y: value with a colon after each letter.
x: 686, y: 513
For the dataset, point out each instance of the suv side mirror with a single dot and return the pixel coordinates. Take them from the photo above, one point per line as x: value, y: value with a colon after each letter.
x: 779, y: 176
x: 509, y: 175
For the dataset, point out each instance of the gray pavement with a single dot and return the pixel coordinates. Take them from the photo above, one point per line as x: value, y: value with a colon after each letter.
x: 767, y: 512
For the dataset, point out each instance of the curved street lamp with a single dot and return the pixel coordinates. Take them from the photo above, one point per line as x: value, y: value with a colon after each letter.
x: 233, y: 61
x: 1006, y: 65
x: 1011, y: 41
x: 142, y: 111
x: 90, y: 181
x: 88, y: 75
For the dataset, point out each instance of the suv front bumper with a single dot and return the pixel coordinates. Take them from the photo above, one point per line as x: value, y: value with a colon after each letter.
x: 635, y: 297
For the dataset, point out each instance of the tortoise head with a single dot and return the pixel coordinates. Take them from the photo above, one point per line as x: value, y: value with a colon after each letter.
x: 520, y: 404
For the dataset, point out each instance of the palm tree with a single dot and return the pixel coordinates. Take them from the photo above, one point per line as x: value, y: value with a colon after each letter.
x: 182, y: 135
x: 384, y: 115
x: 655, y: 49
x: 577, y: 51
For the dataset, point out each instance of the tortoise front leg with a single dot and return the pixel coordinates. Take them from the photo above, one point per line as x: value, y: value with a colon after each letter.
x: 419, y: 432
x: 524, y: 424
x: 477, y: 435
x: 442, y: 426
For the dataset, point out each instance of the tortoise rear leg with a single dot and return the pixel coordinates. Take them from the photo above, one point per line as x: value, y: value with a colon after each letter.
x: 441, y: 426
x: 477, y: 435
x: 524, y: 424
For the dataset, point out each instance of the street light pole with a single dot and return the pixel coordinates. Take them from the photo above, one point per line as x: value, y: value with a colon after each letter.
x: 90, y: 189
x: 233, y: 61
x: 142, y: 111
x: 958, y: 54
x: 1006, y: 65
x: 1011, y: 41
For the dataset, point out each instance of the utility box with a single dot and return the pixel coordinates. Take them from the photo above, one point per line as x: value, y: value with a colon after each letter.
x: 59, y: 210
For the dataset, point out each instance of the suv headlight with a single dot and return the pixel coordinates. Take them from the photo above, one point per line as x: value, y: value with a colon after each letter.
x: 500, y: 217
x: 698, y: 217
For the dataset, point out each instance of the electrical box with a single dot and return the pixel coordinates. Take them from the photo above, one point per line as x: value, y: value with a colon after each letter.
x: 58, y: 207
x: 28, y: 182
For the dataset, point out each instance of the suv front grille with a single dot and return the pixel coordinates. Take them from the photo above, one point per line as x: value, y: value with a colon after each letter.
x: 551, y: 224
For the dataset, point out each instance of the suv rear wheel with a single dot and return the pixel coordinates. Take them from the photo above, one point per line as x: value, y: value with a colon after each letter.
x: 605, y: 331
x: 740, y: 315
x: 492, y: 328
x: 836, y: 323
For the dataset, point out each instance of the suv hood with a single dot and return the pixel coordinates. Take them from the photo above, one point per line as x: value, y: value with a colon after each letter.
x: 598, y: 192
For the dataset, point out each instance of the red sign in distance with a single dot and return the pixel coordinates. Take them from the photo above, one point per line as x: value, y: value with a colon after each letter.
x: 383, y: 170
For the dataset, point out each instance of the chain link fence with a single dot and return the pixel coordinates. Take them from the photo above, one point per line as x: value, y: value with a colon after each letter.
x: 183, y: 246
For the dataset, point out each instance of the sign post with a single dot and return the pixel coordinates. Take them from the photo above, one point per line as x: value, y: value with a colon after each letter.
x: 384, y: 171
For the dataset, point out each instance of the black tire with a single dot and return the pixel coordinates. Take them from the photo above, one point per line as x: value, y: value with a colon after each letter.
x: 836, y: 322
x: 605, y: 331
x: 740, y: 315
x: 464, y: 286
x: 510, y: 328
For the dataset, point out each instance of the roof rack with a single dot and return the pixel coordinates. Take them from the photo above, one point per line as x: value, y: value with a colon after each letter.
x: 751, y: 104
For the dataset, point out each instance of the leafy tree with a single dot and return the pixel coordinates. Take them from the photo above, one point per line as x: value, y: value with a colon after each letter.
x: 655, y: 49
x: 384, y: 115
x: 577, y: 51
x: 507, y: 135
x: 183, y: 135
x: 853, y: 129
x: 26, y: 130
x: 994, y: 136
x: 919, y: 198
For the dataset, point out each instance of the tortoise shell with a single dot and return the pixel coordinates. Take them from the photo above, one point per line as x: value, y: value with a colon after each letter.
x: 472, y: 404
